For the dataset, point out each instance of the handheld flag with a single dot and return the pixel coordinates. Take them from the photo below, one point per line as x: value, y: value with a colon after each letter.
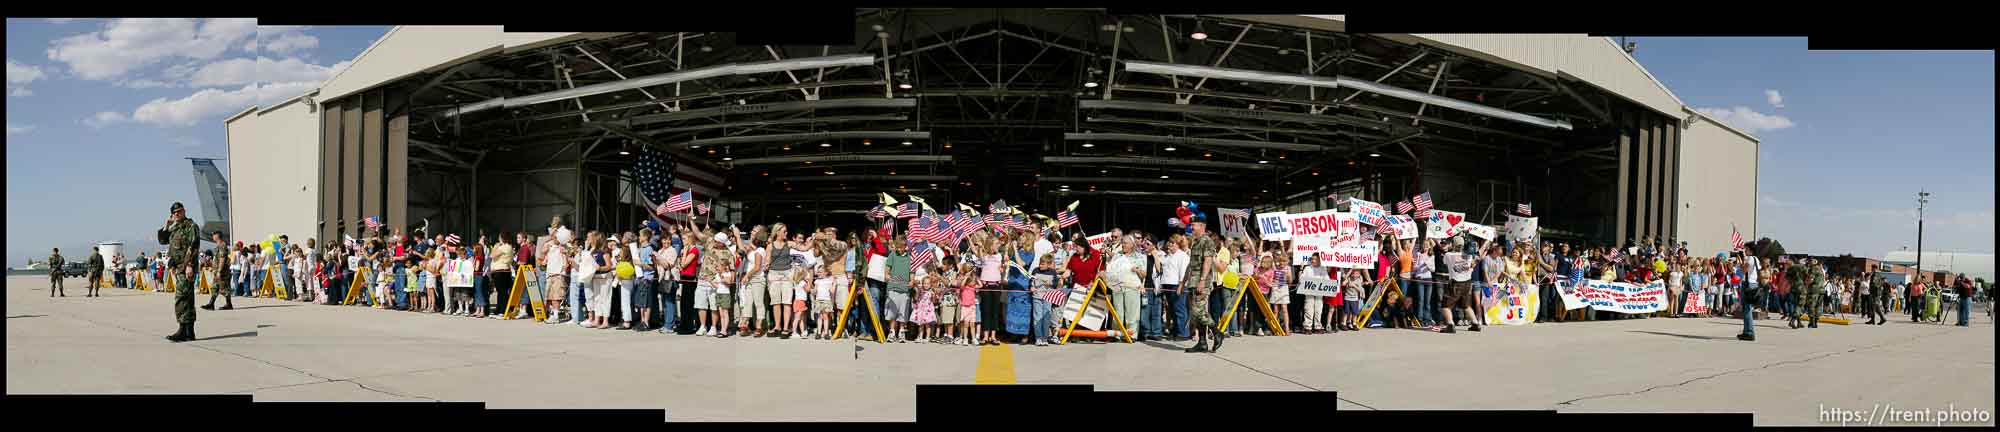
x: 1403, y: 207
x: 1526, y: 209
x: 1065, y: 219
x: 703, y: 207
x: 1423, y: 204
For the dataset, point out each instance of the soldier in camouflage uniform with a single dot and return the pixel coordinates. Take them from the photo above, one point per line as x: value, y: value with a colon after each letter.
x: 1195, y: 284
x: 181, y: 239
x: 1801, y: 292
x: 56, y: 273
x: 94, y: 268
x: 1815, y: 295
x: 221, y: 288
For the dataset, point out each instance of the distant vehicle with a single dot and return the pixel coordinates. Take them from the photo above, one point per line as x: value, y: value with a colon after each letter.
x: 74, y: 269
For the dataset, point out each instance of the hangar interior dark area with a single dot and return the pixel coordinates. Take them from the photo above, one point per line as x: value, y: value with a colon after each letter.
x: 1036, y: 107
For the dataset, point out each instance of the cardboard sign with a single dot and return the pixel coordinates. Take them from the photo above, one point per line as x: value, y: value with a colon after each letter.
x: 1271, y: 226
x: 1097, y: 241
x: 1443, y: 224
x: 1233, y: 221
x: 1694, y: 304
x: 1369, y: 212
x: 1513, y: 304
x: 1362, y: 257
x: 1624, y: 297
x: 1303, y: 247
x: 1319, y: 223
x: 1405, y: 227
x: 1314, y: 285
x: 1477, y: 230
x: 1522, y: 229
x: 1349, y: 233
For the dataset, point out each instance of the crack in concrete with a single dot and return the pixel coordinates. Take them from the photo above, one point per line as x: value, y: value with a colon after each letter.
x: 1765, y: 366
x: 1280, y: 378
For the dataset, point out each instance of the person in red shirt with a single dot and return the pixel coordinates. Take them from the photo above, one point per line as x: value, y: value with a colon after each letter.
x: 1083, y: 265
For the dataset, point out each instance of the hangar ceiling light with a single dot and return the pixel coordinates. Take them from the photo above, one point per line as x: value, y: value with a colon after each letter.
x: 1374, y: 88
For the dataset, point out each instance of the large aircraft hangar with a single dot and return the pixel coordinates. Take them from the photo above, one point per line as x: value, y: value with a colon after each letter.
x: 481, y: 129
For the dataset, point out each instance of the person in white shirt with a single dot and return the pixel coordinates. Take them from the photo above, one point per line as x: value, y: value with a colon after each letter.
x: 1123, y: 272
x: 1172, y: 265
x: 556, y: 264
x: 1314, y: 303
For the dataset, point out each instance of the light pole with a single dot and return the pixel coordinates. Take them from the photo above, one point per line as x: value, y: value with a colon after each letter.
x: 1922, y: 198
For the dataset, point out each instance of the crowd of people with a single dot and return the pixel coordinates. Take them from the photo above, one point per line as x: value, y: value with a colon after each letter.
x: 998, y: 285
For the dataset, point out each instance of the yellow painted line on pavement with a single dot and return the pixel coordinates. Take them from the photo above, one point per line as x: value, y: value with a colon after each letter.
x: 996, y: 365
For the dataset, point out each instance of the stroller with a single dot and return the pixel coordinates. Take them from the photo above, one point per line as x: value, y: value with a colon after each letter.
x: 1932, y: 307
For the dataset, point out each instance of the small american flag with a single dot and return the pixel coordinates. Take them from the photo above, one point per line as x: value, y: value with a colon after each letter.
x: 1735, y: 238
x: 1016, y: 222
x: 1423, y: 201
x: 910, y: 210
x: 1065, y: 219
x: 963, y: 226
x: 702, y: 208
x: 923, y: 255
x: 878, y: 212
x: 451, y: 239
x: 1526, y: 209
x: 1056, y: 295
x: 1403, y: 207
x: 940, y: 230
x: 919, y: 231
x: 372, y: 222
x: 679, y: 203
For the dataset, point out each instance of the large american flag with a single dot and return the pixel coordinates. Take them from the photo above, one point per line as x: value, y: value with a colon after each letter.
x: 655, y: 172
x: 1526, y: 209
x: 1064, y: 219
x: 1423, y: 201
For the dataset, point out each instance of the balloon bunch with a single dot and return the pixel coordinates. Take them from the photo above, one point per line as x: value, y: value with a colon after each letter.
x: 1186, y: 215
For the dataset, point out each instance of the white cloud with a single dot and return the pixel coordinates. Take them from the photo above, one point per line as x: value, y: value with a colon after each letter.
x: 1749, y: 120
x: 22, y: 73
x: 1776, y: 100
x: 144, y: 84
x: 19, y: 75
x: 240, y: 71
x: 60, y: 20
x: 125, y: 45
x: 104, y: 118
x: 204, y: 104
x: 13, y: 129
x: 289, y: 42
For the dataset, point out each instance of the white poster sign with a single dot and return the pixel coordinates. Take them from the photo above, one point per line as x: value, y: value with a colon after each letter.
x: 1405, y: 227
x: 1361, y: 257
x: 1443, y: 224
x: 1303, y: 247
x: 1369, y: 212
x: 1522, y: 229
x: 1097, y: 241
x: 1477, y: 230
x: 1233, y: 221
x: 1321, y: 222
x: 1313, y: 285
x: 1271, y: 226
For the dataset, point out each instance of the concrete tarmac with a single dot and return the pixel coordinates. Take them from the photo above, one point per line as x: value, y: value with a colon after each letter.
x: 288, y: 351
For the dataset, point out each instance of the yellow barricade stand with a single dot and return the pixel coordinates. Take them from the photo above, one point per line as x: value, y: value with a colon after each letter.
x: 1247, y: 287
x: 273, y: 285
x: 858, y: 289
x: 355, y: 286
x: 1092, y: 296
x: 520, y: 289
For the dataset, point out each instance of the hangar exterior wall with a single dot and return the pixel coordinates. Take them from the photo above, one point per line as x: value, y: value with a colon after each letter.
x: 1718, y: 187
x: 274, y: 172
x: 409, y: 50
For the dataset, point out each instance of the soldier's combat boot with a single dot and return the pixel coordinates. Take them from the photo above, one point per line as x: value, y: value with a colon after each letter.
x: 1218, y: 343
x: 188, y: 334
x: 180, y: 334
x: 1200, y: 345
x: 209, y: 306
x: 1746, y: 337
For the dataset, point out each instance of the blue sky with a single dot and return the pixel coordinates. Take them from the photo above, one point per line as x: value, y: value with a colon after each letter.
x: 1848, y: 137
x: 100, y: 113
x: 105, y: 110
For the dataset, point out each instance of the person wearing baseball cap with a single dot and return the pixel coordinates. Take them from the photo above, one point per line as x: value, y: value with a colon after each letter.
x: 181, y: 238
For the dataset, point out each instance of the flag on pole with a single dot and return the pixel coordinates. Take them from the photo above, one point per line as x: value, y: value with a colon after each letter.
x: 1526, y: 209
x: 679, y: 203
x: 1423, y: 202
x: 919, y: 230
x: 703, y: 207
x: 1064, y: 219
x: 654, y: 171
x: 923, y: 255
x: 963, y: 226
x: 373, y: 223
x: 1735, y: 238
x: 878, y: 212
x: 909, y: 210
x: 1403, y: 207
x: 451, y: 239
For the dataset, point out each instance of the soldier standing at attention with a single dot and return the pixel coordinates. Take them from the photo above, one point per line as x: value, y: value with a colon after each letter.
x: 180, y: 236
x: 221, y: 262
x: 94, y: 267
x: 1201, y: 248
x: 56, y: 273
